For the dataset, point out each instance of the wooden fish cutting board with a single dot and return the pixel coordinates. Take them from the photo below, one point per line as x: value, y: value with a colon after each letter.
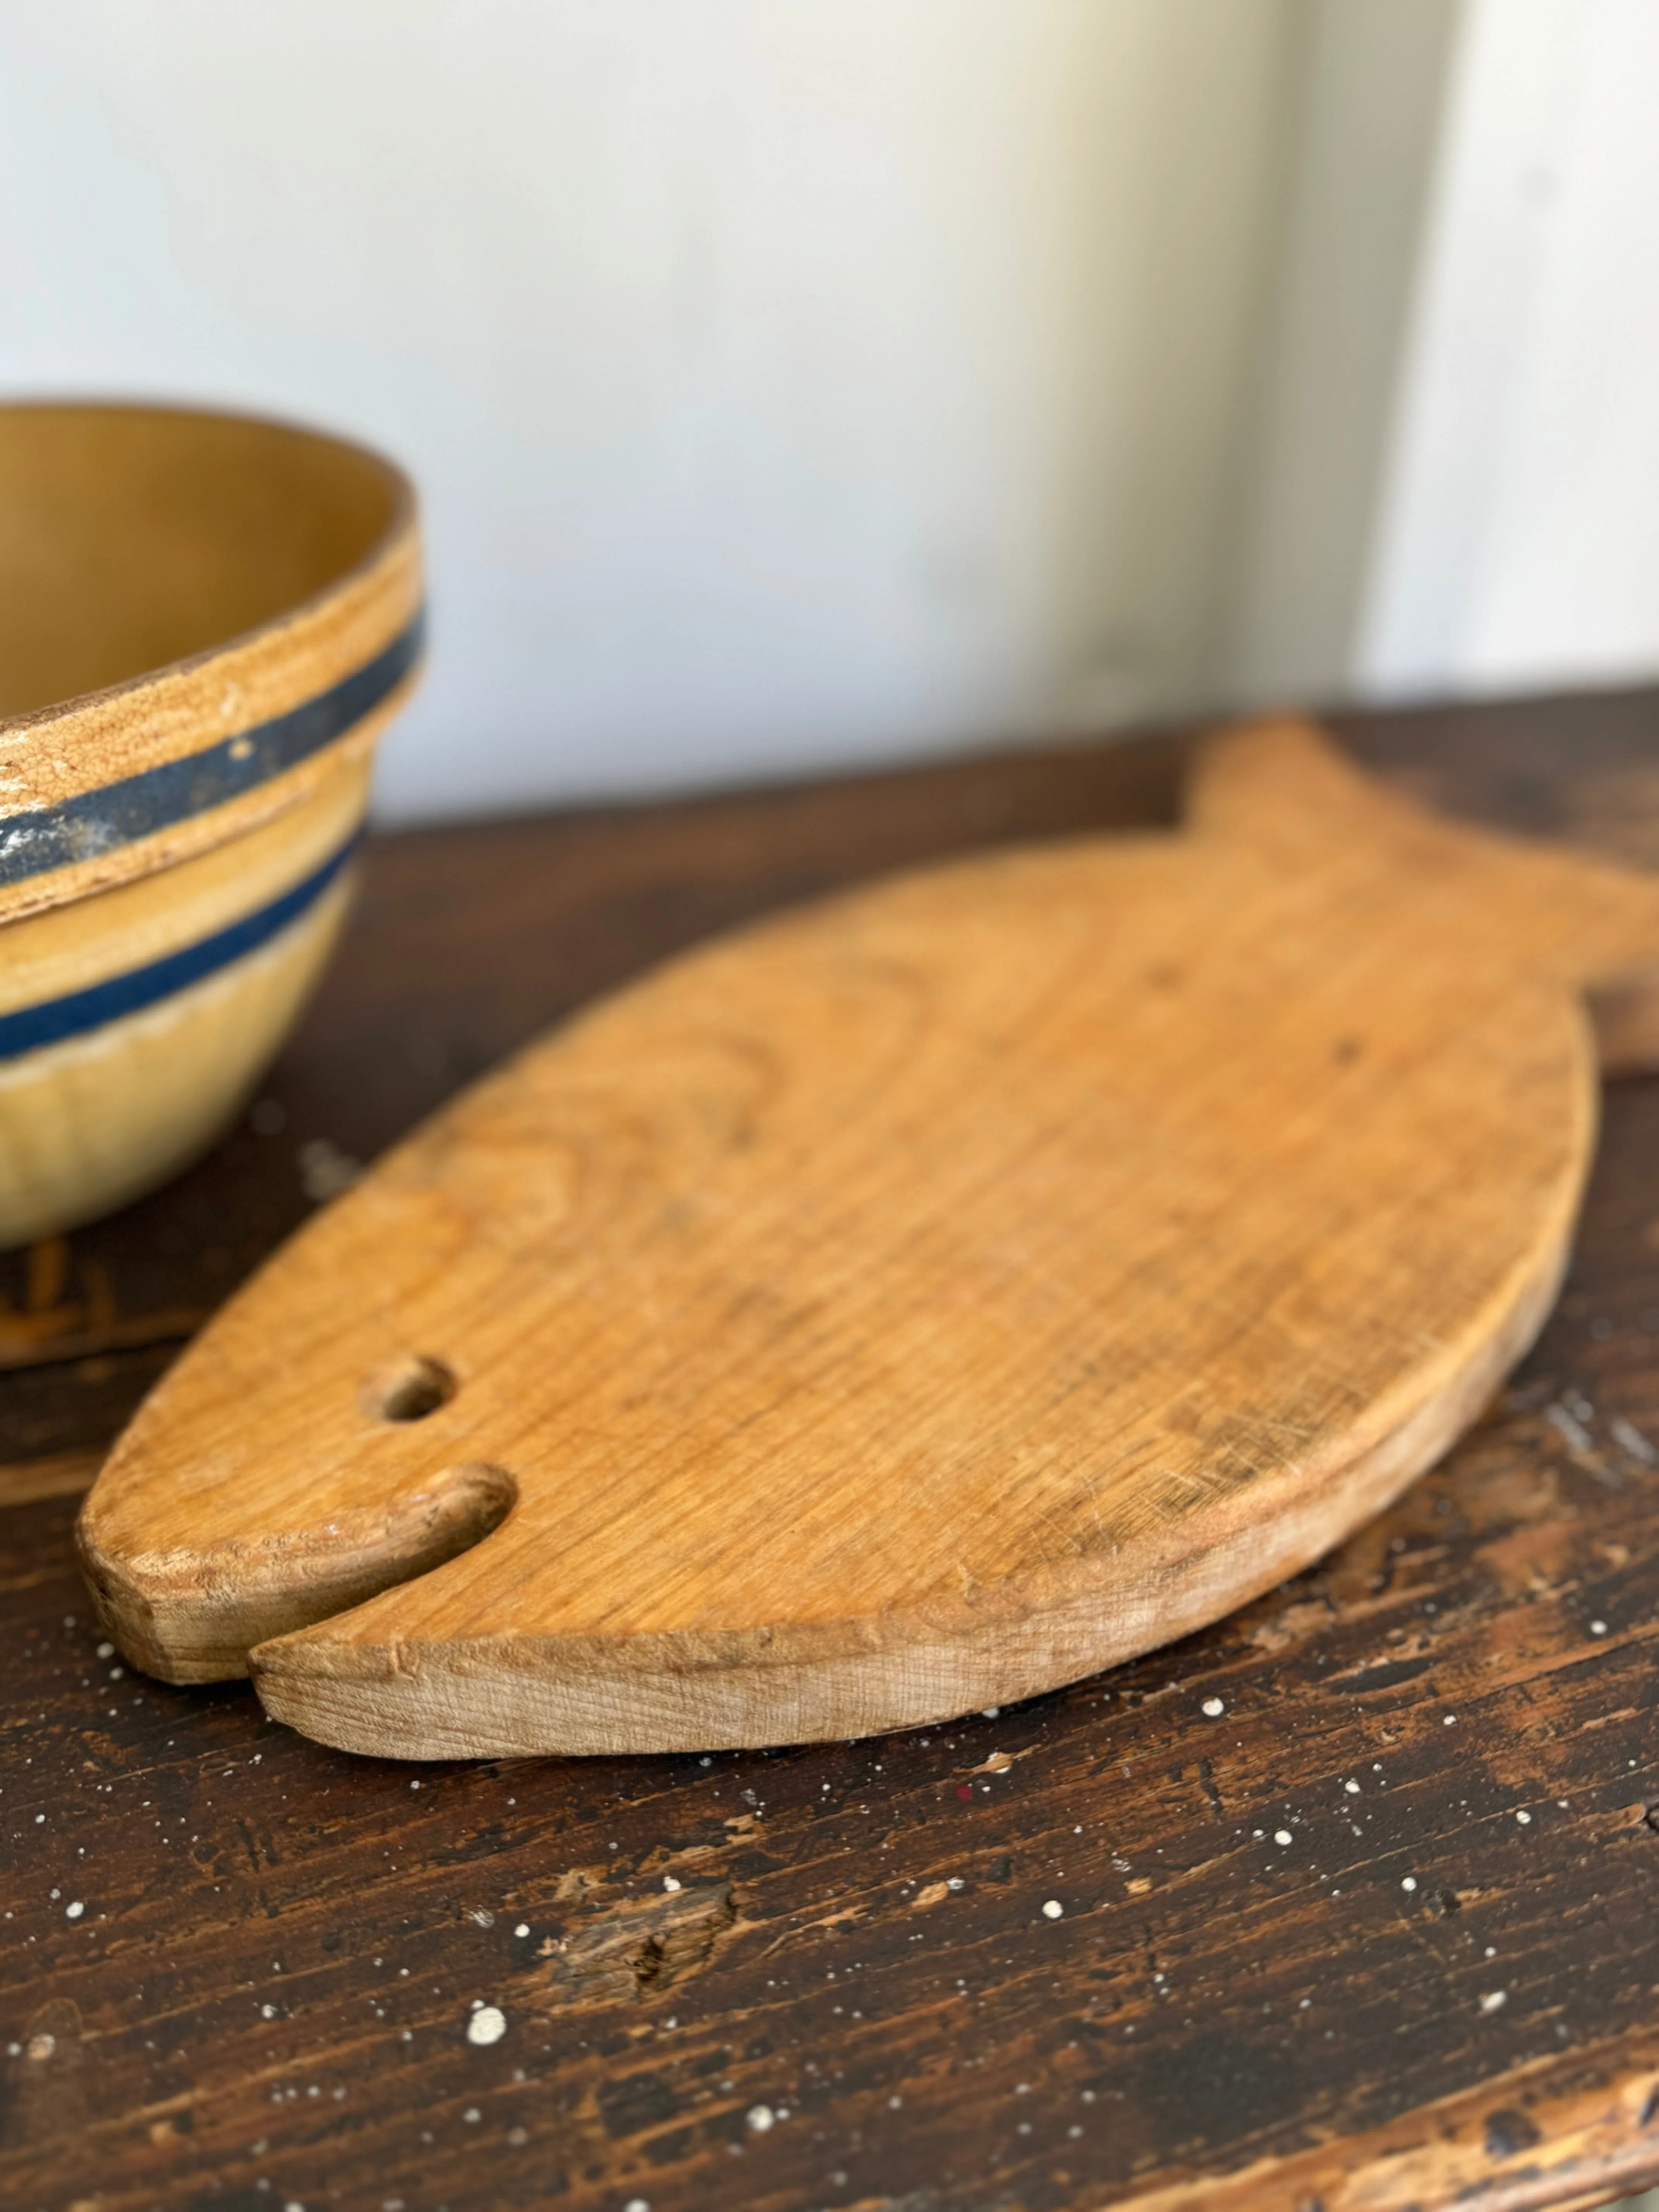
x: 907, y: 1304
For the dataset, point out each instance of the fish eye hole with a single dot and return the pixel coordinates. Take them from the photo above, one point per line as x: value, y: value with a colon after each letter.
x: 409, y: 1389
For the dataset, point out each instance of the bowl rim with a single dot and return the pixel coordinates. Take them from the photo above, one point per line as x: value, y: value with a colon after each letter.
x: 340, y: 661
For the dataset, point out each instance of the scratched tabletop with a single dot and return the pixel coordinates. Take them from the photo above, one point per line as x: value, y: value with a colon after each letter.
x: 1350, y: 1901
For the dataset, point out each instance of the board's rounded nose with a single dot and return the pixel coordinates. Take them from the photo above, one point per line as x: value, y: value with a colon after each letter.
x: 191, y: 1611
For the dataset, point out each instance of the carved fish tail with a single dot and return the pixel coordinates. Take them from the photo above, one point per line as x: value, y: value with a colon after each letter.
x: 1285, y: 790
x: 1282, y: 784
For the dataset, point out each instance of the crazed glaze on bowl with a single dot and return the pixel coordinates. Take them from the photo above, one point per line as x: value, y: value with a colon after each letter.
x: 205, y: 623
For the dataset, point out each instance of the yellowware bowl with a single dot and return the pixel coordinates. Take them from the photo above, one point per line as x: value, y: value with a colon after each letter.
x: 205, y: 623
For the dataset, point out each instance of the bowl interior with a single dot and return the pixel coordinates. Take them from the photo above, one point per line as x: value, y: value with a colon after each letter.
x: 134, y: 537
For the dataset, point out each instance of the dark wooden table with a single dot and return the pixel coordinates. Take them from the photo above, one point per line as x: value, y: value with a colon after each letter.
x: 239, y: 1969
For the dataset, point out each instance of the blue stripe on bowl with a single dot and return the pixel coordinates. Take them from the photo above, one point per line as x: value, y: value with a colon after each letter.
x: 116, y: 814
x: 30, y: 1027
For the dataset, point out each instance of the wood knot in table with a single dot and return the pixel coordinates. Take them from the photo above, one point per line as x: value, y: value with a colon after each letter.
x: 638, y: 1948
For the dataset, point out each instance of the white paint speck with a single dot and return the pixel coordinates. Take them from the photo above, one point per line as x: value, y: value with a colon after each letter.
x: 636, y: 2204
x: 990, y: 1712
x: 325, y: 1170
x: 1451, y: 1720
x: 1409, y: 1883
x: 955, y: 1882
x: 1598, y: 1628
x: 1525, y: 1818
x: 523, y: 1927
x: 74, y: 1911
x: 1569, y: 1428
x: 1282, y: 1838
x: 1353, y: 1788
x: 1053, y: 1910
x: 670, y: 1884
x: 1494, y: 2000
x: 473, y: 2116
x: 1633, y: 1440
x: 107, y: 1651
x: 760, y: 2117
x: 487, y: 2025
x: 1213, y: 1708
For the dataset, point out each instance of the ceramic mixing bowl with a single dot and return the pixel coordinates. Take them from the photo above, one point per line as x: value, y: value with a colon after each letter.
x: 205, y: 621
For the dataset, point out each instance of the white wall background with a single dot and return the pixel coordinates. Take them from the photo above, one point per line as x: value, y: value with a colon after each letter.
x: 1517, y: 542
x: 794, y: 385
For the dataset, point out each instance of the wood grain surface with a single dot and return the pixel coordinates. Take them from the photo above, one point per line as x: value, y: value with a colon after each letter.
x: 908, y: 1306
x: 1214, y: 2017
